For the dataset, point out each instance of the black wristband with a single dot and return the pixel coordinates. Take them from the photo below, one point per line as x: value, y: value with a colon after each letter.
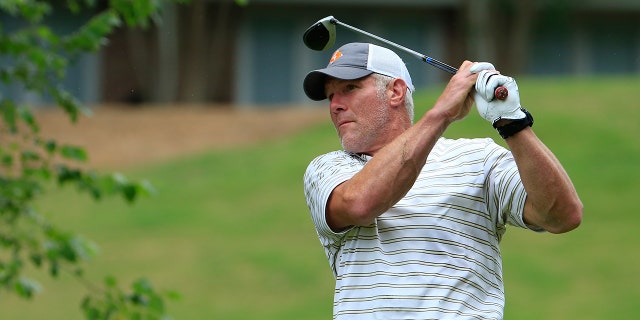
x: 515, y: 126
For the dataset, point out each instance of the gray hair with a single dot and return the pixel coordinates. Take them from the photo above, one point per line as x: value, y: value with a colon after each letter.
x: 382, y: 81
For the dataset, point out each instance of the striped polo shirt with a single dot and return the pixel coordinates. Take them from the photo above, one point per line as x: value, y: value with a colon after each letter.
x: 435, y: 254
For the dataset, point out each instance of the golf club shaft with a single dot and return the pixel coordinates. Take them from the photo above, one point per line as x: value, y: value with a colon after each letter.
x: 500, y: 92
x: 438, y: 64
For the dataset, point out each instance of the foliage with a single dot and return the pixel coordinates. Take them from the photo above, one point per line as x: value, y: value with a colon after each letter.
x: 35, y: 57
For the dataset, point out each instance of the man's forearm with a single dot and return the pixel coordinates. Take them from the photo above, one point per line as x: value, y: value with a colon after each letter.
x: 388, y: 176
x: 552, y: 201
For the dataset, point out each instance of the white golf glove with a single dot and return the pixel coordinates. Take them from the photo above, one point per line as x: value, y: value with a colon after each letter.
x: 493, y: 109
x: 479, y: 66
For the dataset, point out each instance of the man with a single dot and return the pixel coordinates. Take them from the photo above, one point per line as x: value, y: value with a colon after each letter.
x: 411, y: 221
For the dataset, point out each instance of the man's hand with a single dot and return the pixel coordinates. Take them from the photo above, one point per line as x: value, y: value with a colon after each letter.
x: 493, y: 109
x: 456, y: 100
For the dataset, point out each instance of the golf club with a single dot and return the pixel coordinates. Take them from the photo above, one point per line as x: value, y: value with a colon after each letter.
x: 322, y: 35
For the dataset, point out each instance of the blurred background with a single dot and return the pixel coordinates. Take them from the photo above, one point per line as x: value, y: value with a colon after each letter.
x: 219, y: 51
x: 207, y: 105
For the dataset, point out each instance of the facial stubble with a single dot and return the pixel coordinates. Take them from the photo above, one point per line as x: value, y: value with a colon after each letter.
x: 366, y: 135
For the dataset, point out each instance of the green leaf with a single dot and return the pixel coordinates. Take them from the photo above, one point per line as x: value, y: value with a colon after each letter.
x: 9, y: 114
x: 29, y: 156
x: 50, y: 146
x: 73, y: 153
x: 67, y: 102
x: 26, y: 288
x: 66, y: 174
x: 41, y: 172
x: 31, y: 10
x: 54, y: 268
x: 6, y: 160
x: 83, y: 248
x: 45, y: 33
x: 74, y: 6
x: 36, y: 259
x: 117, y: 183
x: 27, y: 117
x: 136, y: 13
x: 129, y: 192
x: 92, y: 35
x: 90, y: 312
x: 146, y: 188
x: 142, y: 286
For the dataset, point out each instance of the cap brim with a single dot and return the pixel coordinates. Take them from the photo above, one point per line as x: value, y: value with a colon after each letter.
x: 314, y: 81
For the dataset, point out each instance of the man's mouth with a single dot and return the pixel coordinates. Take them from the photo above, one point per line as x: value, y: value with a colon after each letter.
x: 343, y: 122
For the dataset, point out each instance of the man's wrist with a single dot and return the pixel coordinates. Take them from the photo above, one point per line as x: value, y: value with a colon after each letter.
x: 508, y: 127
x: 438, y: 119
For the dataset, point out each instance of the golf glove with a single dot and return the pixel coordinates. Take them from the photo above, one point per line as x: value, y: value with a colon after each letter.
x: 493, y: 109
x: 479, y: 66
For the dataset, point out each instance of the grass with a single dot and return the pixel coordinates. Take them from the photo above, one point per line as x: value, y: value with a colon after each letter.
x: 230, y: 230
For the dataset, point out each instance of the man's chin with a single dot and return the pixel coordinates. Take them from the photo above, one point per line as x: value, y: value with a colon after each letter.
x: 353, y: 143
x: 350, y: 148
x: 346, y: 147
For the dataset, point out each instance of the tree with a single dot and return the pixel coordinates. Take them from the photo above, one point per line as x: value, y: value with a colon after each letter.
x: 36, y: 57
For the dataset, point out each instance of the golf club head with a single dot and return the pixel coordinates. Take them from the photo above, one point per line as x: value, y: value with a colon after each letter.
x: 321, y: 35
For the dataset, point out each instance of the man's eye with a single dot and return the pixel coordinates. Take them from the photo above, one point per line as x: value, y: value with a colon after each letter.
x: 350, y: 87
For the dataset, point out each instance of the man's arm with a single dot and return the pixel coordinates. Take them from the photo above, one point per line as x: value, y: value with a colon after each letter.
x: 552, y: 201
x: 389, y: 175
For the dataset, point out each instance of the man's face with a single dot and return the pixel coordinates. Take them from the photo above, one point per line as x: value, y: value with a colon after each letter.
x: 359, y: 113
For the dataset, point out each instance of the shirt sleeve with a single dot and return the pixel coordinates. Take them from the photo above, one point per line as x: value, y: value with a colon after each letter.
x: 323, y: 175
x: 506, y: 194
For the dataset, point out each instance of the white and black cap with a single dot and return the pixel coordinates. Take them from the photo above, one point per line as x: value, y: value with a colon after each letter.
x: 353, y: 61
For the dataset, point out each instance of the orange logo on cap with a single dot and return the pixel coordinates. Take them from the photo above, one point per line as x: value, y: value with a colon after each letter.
x: 336, y: 56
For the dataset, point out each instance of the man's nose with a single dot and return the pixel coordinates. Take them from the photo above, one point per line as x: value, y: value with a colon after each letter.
x: 336, y: 104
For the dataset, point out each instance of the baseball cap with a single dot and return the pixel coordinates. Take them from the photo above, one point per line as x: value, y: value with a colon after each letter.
x: 353, y: 61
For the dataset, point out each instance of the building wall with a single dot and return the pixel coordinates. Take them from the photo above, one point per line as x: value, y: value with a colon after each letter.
x: 261, y: 59
x: 273, y: 59
x: 586, y: 43
x: 563, y: 40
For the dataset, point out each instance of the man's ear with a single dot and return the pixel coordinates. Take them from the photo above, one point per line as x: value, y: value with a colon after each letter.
x: 398, y: 91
